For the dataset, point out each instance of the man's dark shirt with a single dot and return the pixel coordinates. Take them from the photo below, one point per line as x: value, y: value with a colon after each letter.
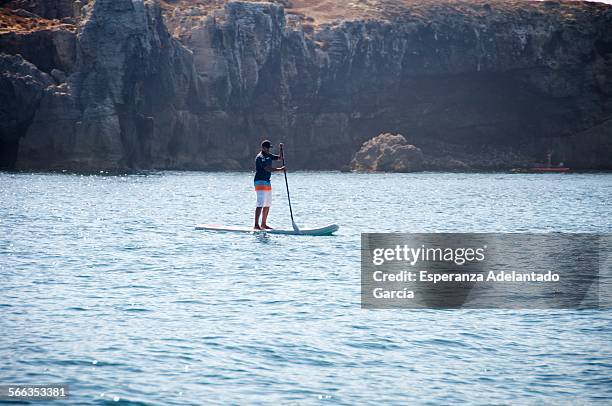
x: 261, y: 161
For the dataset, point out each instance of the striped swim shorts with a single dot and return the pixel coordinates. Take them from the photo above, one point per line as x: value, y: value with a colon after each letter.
x: 263, y: 189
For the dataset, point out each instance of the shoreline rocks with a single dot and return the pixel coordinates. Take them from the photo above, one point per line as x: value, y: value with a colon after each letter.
x: 388, y: 153
x: 393, y: 153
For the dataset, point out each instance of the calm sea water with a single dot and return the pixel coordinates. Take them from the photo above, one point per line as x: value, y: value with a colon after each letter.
x: 107, y: 286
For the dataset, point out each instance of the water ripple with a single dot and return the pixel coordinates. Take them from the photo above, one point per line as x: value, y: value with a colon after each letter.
x: 107, y: 286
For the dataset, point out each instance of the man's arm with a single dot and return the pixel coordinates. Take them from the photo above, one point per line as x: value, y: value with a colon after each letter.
x: 270, y: 168
x: 278, y: 157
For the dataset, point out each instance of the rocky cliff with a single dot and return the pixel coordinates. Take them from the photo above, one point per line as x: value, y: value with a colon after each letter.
x: 118, y: 84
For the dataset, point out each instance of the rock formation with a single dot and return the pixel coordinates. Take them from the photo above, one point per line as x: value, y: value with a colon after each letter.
x: 506, y: 79
x: 124, y: 103
x: 21, y: 87
x: 394, y: 153
x: 388, y: 153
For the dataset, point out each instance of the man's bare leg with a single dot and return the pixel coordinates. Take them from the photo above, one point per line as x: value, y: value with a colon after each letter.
x: 264, y: 218
x: 257, y: 213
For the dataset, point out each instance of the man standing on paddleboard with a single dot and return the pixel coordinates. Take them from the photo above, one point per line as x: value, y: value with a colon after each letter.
x: 263, y: 187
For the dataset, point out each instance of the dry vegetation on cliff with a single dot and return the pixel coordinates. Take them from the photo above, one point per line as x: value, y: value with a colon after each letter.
x: 23, y: 22
x: 313, y: 14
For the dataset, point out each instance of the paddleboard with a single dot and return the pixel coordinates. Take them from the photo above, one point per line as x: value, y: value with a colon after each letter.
x: 327, y: 230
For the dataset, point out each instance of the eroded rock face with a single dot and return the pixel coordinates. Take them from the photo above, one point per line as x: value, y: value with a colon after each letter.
x: 509, y: 80
x: 125, y: 104
x: 47, y: 49
x: 388, y: 153
x: 22, y: 86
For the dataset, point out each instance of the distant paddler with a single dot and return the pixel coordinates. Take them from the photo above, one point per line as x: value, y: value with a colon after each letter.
x: 263, y: 186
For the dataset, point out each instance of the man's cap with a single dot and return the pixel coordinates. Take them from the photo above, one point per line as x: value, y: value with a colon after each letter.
x: 266, y: 144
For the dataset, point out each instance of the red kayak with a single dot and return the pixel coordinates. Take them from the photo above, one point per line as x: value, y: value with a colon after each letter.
x: 544, y: 169
x: 552, y: 169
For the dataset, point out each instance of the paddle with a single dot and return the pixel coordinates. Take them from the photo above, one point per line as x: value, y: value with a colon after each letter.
x: 295, y: 227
